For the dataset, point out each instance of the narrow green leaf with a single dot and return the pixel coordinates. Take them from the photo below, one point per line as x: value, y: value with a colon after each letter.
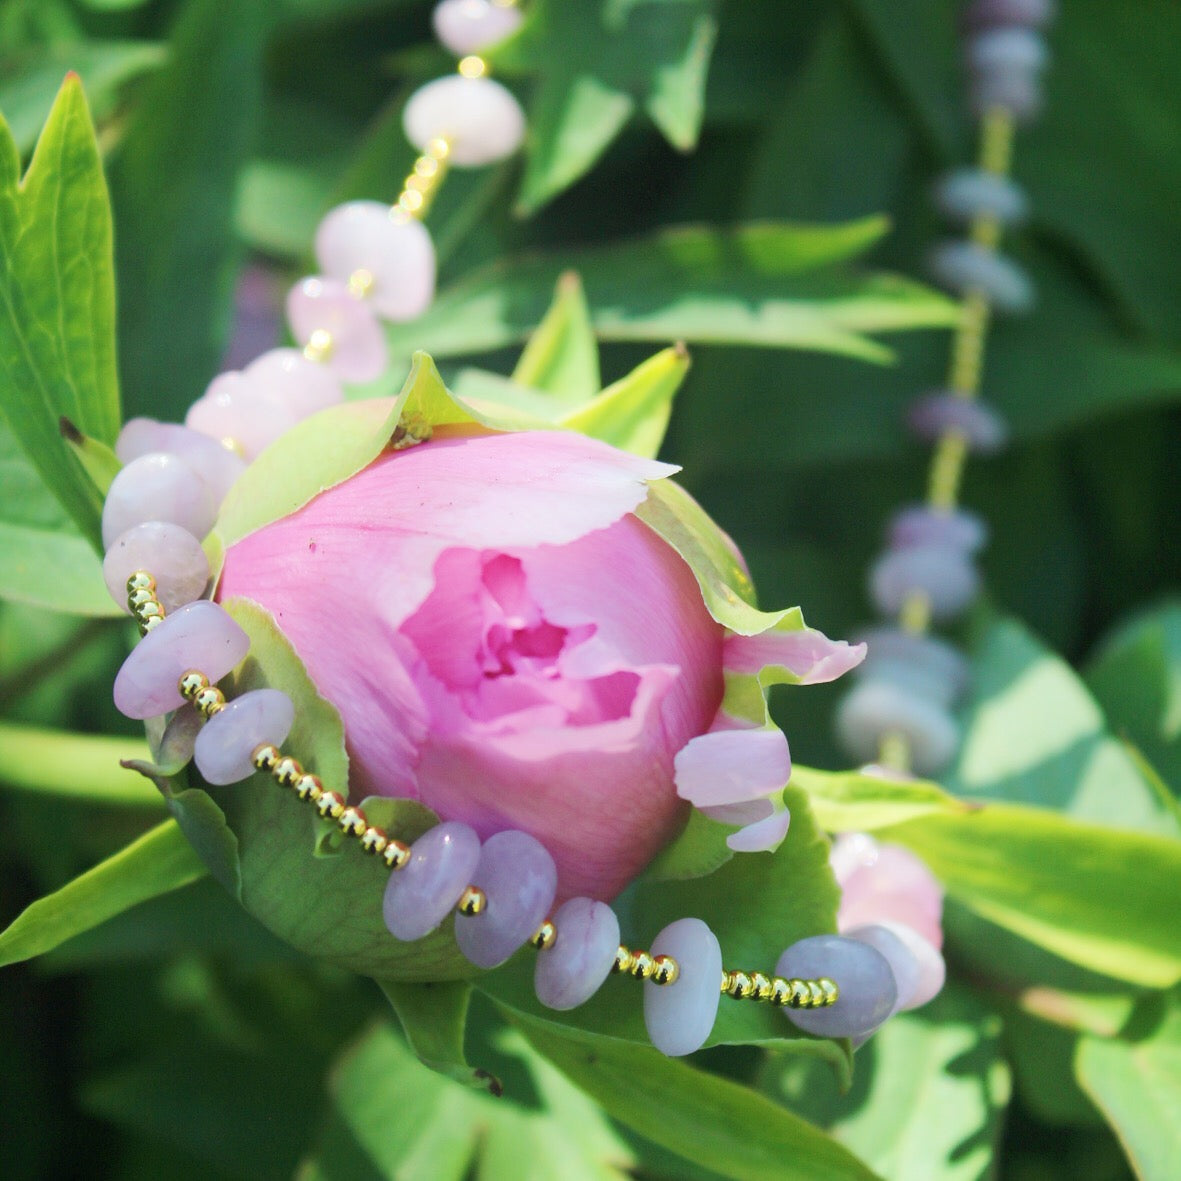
x: 562, y: 355
x: 159, y: 861
x: 54, y: 569
x: 99, y: 460
x: 83, y: 767
x: 703, y: 1117
x: 848, y: 801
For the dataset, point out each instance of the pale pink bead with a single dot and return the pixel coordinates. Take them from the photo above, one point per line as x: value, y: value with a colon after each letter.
x: 482, y: 121
x: 287, y: 379
x: 467, y: 26
x: 157, y: 487
x: 358, y: 351
x: 224, y: 750
x: 216, y: 464
x: 397, y: 253
x: 232, y: 409
x: 918, y: 966
x: 172, y: 555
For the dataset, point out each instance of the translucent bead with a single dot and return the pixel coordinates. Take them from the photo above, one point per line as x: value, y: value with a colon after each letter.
x: 873, y: 709
x: 862, y: 974
x: 679, y: 1016
x: 573, y: 969
x: 983, y: 427
x: 943, y: 669
x: 919, y: 970
x: 198, y: 636
x: 987, y: 14
x: 467, y: 26
x: 519, y: 880
x: 964, y: 267
x: 946, y: 576
x: 421, y: 895
x: 1008, y: 49
x: 225, y: 745
x: 969, y: 193
x: 920, y: 524
x: 297, y: 386
x: 232, y: 410
x: 397, y: 253
x: 358, y: 351
x: 481, y: 119
x: 1018, y: 93
x: 157, y: 487
x: 172, y: 555
x: 216, y: 464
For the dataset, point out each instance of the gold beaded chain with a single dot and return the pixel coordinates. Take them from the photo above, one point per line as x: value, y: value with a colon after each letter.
x: 208, y: 700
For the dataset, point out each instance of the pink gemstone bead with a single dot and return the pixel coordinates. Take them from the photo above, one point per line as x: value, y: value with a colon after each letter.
x: 480, y: 118
x: 983, y: 427
x: 420, y: 896
x: 873, y: 709
x: 946, y: 576
x: 172, y: 555
x: 987, y: 14
x: 918, y: 524
x: 862, y: 974
x: 215, y: 463
x: 919, y: 970
x: 398, y: 253
x: 572, y: 970
x: 232, y: 408
x: 467, y: 26
x: 198, y: 636
x: 358, y: 348
x: 287, y: 379
x: 157, y: 487
x: 679, y: 1016
x: 225, y: 747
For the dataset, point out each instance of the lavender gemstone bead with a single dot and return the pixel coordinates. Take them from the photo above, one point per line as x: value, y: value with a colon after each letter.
x: 964, y: 267
x: 914, y: 679
x: 919, y: 524
x: 215, y: 463
x: 396, y: 251
x: 197, y: 636
x: 482, y: 120
x: 969, y: 193
x: 863, y: 975
x: 233, y: 409
x: 157, y: 487
x: 679, y: 1016
x: 358, y: 348
x: 172, y: 555
x: 873, y: 709
x: 224, y: 748
x: 988, y: 14
x: 918, y: 968
x: 945, y: 575
x: 935, y: 657
x: 420, y: 896
x: 1007, y: 50
x: 1018, y: 93
x: 519, y: 879
x: 573, y: 968
x: 984, y: 429
x: 467, y: 26
x: 287, y: 379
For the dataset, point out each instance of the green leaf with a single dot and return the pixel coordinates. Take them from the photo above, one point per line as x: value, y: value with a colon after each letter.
x: 57, y: 303
x: 927, y: 1101
x: 562, y: 356
x: 703, y: 1117
x: 159, y: 861
x: 83, y: 767
x: 595, y: 63
x: 770, y: 284
x: 1135, y: 1080
x: 699, y: 850
x: 1100, y: 897
x: 632, y: 413
x: 848, y: 801
x: 55, y: 569
x: 1033, y: 734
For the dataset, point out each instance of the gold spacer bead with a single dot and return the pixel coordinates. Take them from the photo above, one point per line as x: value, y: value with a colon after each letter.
x: 374, y: 840
x: 427, y: 167
x: 191, y: 683
x: 817, y: 999
x: 287, y: 771
x: 832, y: 993
x: 353, y: 823
x: 760, y: 986
x: 472, y: 66
x: 438, y: 148
x: 265, y: 757
x: 309, y: 788
x: 151, y: 624
x: 361, y: 283
x: 140, y: 580
x: 209, y: 701
x: 472, y: 901
x: 642, y: 965
x: 396, y: 854
x: 801, y: 994
x: 780, y: 991
x: 623, y: 959
x: 320, y: 345
x: 544, y: 937
x: 665, y: 970
x: 146, y: 611
x: 740, y: 986
x: 330, y: 805
x: 141, y: 595
x: 410, y: 201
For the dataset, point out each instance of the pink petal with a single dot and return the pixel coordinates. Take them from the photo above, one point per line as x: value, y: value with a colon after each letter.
x: 808, y: 654
x: 761, y: 836
x: 730, y: 766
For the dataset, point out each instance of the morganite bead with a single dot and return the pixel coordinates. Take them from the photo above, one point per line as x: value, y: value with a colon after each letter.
x: 873, y: 709
x: 679, y: 1016
x: 1007, y: 50
x: 942, y: 659
x: 985, y: 14
x: 216, y: 464
x: 199, y: 636
x: 467, y: 26
x: 945, y: 575
x: 519, y: 880
x: 172, y: 555
x: 481, y: 119
x: 157, y: 487
x: 964, y: 267
x: 918, y: 524
x: 862, y: 974
x: 573, y: 968
x: 983, y: 427
x: 1019, y: 93
x: 919, y: 970
x: 968, y: 193
x: 358, y: 348
x: 287, y: 379
x: 396, y: 251
x: 227, y: 741
x: 420, y: 896
x: 233, y: 410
